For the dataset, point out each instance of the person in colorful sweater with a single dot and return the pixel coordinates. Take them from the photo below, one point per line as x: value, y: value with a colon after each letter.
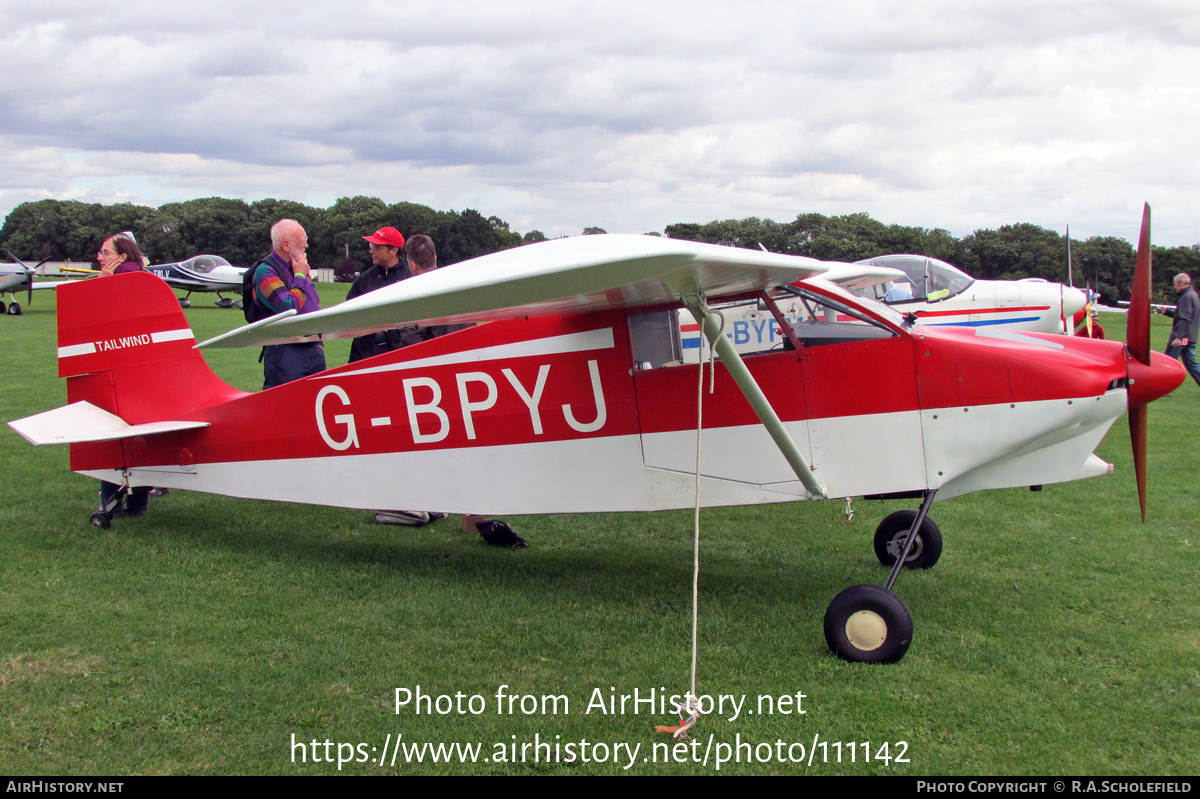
x: 282, y: 283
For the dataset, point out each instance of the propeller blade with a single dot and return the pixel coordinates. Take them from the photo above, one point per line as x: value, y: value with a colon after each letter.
x: 1137, y: 332
x: 1137, y: 434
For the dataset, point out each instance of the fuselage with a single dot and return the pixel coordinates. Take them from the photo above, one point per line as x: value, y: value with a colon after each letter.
x: 597, y: 412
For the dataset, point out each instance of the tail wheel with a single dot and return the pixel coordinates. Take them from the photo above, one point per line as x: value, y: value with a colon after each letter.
x: 868, y: 624
x: 890, y: 535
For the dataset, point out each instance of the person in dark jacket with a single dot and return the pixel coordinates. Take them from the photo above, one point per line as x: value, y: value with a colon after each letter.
x: 387, y: 245
x: 1182, y: 343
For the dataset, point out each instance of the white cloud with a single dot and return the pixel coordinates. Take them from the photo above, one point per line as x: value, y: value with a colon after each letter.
x: 626, y: 115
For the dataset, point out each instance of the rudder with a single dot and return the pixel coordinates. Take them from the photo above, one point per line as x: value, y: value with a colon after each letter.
x: 125, y: 346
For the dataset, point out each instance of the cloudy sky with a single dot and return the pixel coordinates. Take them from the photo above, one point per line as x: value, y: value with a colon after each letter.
x: 624, y: 115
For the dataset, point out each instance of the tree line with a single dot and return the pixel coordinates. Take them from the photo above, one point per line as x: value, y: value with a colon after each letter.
x: 69, y: 230
x: 1011, y: 252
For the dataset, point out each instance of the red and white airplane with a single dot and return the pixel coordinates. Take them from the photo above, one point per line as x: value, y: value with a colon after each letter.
x: 940, y: 294
x: 574, y: 398
x: 935, y: 292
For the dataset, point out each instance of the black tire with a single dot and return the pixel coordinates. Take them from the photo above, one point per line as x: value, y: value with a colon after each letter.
x: 868, y: 624
x: 101, y: 520
x: 224, y: 303
x: 3, y: 308
x: 926, y: 550
x: 14, y: 309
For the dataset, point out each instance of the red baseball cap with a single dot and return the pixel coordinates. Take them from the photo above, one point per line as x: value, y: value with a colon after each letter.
x: 386, y: 235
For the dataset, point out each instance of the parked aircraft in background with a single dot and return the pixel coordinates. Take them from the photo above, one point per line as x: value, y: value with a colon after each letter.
x: 575, y: 399
x: 203, y: 273
x: 940, y: 294
x: 16, y: 277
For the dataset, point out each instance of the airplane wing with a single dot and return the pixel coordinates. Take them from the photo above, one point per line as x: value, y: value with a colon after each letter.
x: 19, y: 283
x: 1125, y: 307
x: 50, y: 284
x: 83, y: 421
x: 859, y: 276
x: 563, y: 276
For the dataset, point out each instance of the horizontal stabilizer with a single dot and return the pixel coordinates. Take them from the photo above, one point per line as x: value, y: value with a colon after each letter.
x: 83, y: 421
x: 563, y: 276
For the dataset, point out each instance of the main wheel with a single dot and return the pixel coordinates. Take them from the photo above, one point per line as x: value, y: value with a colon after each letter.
x: 224, y: 302
x: 3, y: 308
x: 184, y: 302
x: 14, y: 309
x: 237, y: 304
x: 890, y: 535
x: 101, y: 519
x: 868, y: 624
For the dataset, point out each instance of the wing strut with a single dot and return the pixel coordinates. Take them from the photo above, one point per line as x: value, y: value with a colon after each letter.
x: 754, y: 395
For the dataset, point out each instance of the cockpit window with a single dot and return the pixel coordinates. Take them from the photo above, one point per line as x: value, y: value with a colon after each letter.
x: 670, y: 338
x: 926, y: 280
x: 204, y: 263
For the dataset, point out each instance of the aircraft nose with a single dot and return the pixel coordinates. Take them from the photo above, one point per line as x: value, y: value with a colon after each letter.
x: 1160, y: 378
x: 1073, y: 301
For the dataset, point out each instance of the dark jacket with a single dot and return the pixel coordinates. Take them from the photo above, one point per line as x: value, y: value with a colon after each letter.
x: 1186, y: 315
x: 387, y: 340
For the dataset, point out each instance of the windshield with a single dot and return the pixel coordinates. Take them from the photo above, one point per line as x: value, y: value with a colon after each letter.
x: 204, y: 263
x: 927, y: 279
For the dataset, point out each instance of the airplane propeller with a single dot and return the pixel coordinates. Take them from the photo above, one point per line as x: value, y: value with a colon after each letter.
x: 29, y: 273
x: 1147, y: 381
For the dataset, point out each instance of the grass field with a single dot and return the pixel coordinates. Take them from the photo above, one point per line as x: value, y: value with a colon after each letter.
x: 1058, y: 634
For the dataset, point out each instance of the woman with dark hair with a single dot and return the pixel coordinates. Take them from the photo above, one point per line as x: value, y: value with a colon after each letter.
x: 119, y: 254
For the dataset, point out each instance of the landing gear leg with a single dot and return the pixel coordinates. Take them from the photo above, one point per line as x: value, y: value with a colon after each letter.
x: 912, y: 539
x: 869, y: 623
x: 109, y: 507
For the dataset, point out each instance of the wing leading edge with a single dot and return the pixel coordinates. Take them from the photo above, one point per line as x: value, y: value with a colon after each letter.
x: 574, y: 275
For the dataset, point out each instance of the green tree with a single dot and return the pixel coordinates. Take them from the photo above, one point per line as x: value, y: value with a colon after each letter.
x: 1107, y: 263
x: 214, y: 225
x: 265, y: 213
x: 346, y: 222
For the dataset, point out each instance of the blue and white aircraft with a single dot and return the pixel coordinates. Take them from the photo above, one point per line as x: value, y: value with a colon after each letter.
x: 203, y: 273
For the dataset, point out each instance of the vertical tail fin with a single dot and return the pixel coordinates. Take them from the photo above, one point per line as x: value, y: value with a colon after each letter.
x: 125, y: 346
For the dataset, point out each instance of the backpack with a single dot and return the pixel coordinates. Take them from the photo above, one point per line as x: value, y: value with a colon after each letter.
x: 251, y: 308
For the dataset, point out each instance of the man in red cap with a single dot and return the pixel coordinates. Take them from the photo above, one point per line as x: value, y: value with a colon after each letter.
x: 386, y: 244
